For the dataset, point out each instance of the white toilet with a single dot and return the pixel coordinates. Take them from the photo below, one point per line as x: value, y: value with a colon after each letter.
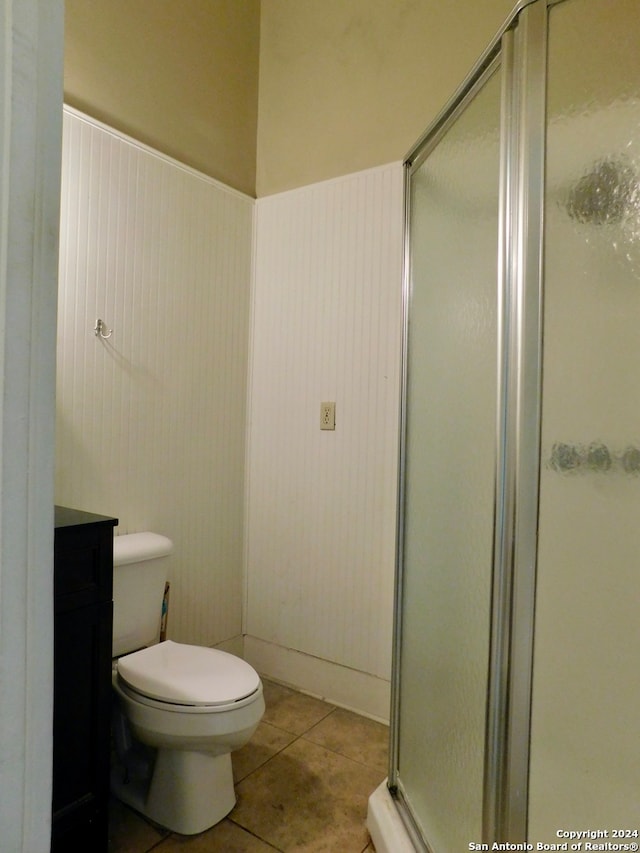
x: 179, y: 710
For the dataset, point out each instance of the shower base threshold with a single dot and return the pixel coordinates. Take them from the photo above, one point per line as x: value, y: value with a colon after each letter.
x: 386, y: 828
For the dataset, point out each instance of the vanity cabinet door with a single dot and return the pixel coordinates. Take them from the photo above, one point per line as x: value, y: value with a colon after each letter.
x: 81, y: 719
x: 83, y: 610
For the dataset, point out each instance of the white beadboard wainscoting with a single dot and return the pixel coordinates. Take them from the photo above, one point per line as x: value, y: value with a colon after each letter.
x: 151, y: 422
x: 321, y: 505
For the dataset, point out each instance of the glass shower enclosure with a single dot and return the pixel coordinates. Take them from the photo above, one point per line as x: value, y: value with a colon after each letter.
x: 517, y: 660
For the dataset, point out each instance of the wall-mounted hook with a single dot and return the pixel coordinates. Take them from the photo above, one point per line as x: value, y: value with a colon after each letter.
x: 101, y: 329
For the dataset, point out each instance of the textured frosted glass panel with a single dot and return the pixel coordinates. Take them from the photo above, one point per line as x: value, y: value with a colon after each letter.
x: 585, y: 748
x: 449, y: 496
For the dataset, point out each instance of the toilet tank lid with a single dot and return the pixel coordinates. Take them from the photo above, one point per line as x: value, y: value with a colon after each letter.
x: 137, y: 547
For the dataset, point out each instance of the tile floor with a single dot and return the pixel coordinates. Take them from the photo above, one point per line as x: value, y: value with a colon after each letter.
x: 302, y: 784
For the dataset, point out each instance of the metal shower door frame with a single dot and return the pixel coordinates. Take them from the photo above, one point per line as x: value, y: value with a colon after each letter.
x: 520, y: 49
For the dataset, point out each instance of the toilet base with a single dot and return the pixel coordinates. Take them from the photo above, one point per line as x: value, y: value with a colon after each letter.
x: 187, y: 792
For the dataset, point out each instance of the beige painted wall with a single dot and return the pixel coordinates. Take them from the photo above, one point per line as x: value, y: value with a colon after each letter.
x: 181, y: 77
x: 346, y: 86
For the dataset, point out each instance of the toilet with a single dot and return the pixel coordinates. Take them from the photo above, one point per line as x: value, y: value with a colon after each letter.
x: 179, y: 710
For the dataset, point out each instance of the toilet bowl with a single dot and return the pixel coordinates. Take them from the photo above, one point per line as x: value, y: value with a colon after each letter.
x: 179, y: 712
x: 192, y: 706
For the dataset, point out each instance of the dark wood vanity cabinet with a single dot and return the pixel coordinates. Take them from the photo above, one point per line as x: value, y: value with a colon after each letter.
x: 83, y: 609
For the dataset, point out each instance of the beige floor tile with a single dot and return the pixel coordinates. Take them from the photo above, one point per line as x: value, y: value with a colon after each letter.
x: 356, y: 737
x: 224, y: 837
x: 294, y: 712
x: 309, y: 799
x: 265, y: 742
x: 130, y: 833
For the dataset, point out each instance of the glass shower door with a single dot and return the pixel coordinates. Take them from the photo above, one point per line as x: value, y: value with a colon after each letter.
x: 449, y: 465
x: 585, y: 748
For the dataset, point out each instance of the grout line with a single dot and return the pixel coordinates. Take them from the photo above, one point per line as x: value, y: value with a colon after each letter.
x: 255, y: 835
x: 342, y: 755
x: 317, y: 723
x: 282, y: 749
x: 303, y: 736
x: 158, y: 843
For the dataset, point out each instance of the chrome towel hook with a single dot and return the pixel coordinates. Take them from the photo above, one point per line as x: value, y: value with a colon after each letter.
x: 101, y: 329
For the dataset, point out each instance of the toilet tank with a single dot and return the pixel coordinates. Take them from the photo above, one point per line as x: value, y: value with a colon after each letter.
x: 139, y: 577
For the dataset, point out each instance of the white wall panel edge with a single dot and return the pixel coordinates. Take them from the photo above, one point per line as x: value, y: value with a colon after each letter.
x: 247, y: 448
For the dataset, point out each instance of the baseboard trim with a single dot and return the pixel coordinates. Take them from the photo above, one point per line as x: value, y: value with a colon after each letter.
x: 348, y: 688
x: 233, y: 645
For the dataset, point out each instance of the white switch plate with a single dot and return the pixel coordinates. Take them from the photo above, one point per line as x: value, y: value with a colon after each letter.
x: 327, y: 415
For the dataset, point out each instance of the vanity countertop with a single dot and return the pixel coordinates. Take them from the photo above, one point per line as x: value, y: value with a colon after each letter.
x: 67, y: 517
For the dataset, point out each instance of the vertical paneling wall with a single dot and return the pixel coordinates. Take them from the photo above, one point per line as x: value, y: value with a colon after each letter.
x: 321, y: 505
x: 151, y: 422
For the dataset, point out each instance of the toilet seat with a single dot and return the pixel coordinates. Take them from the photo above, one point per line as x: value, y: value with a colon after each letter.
x: 191, y: 677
